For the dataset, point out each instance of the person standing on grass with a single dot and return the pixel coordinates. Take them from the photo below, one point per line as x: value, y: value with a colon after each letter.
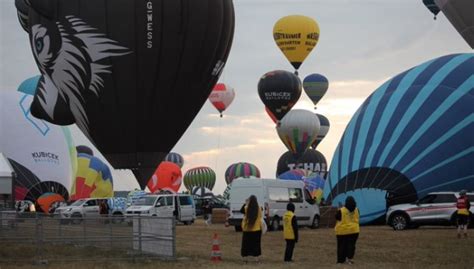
x: 347, y: 231
x: 463, y: 205
x: 252, y: 229
x: 290, y: 231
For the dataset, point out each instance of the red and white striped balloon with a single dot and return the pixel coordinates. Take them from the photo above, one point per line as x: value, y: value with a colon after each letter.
x: 222, y: 96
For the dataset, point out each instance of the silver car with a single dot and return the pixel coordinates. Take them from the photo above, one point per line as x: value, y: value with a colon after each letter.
x: 436, y: 208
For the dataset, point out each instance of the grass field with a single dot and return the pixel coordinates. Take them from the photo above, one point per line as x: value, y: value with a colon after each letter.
x: 377, y: 247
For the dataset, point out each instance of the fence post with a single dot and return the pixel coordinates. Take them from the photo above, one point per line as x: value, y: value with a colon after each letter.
x: 140, y: 234
x: 111, y: 234
x: 38, y: 232
x: 84, y: 229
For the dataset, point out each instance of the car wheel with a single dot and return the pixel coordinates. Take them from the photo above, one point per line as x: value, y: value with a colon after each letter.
x: 238, y: 228
x: 315, y: 224
x: 76, y: 218
x: 275, y: 224
x: 399, y: 222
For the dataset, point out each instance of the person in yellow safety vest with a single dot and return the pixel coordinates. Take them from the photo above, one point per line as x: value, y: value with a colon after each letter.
x: 347, y: 231
x: 290, y: 231
x: 463, y: 205
x: 252, y: 229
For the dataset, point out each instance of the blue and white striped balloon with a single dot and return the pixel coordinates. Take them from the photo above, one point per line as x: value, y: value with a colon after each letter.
x: 174, y: 158
x: 412, y: 136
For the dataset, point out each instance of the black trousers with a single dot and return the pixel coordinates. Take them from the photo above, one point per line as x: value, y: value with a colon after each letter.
x: 290, y: 245
x: 346, y: 245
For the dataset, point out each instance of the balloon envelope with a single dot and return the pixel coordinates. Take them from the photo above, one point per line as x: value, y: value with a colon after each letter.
x: 42, y: 155
x: 167, y: 177
x: 431, y: 5
x: 323, y: 130
x: 124, y: 80
x: 311, y: 160
x: 93, y: 178
x: 174, y: 158
x: 296, y: 36
x: 222, y: 96
x: 298, y: 130
x: 202, y: 192
x: 459, y: 13
x: 418, y: 140
x: 201, y: 177
x: 241, y: 169
x: 315, y: 86
x: 279, y: 91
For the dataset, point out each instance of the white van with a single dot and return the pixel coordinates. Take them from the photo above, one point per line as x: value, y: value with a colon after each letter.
x: 181, y: 206
x: 273, y: 195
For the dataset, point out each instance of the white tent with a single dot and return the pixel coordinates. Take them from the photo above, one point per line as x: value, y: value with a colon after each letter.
x: 5, y: 176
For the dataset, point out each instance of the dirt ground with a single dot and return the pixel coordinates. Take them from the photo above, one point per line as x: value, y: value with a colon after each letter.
x: 377, y: 247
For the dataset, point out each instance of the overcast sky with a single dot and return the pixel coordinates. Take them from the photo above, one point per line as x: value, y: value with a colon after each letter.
x: 362, y: 44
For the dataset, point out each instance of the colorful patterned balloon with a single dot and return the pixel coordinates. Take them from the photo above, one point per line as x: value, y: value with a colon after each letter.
x: 298, y: 130
x: 241, y: 169
x: 93, y: 178
x: 201, y: 177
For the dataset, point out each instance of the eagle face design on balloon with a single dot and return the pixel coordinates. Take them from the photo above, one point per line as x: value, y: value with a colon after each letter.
x: 72, y: 69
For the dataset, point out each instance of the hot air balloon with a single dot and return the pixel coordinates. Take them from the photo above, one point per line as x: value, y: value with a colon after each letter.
x: 270, y: 114
x: 323, y: 130
x: 311, y: 160
x: 167, y: 177
x: 84, y: 149
x: 222, y: 96
x: 298, y: 130
x: 459, y: 13
x: 42, y: 155
x: 201, y: 177
x: 313, y: 182
x: 124, y: 80
x: 296, y: 36
x: 241, y: 169
x: 174, y: 158
x: 93, y: 178
x: 315, y: 86
x: 431, y: 5
x: 202, y: 192
x: 279, y: 91
x: 412, y: 136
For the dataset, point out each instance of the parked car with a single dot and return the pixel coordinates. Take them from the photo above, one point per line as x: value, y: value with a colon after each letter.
x: 273, y: 195
x: 436, y: 208
x: 89, y: 207
x: 181, y: 206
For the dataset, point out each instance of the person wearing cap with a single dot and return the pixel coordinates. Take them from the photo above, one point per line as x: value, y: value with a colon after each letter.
x: 290, y: 231
x: 463, y: 205
x: 347, y: 231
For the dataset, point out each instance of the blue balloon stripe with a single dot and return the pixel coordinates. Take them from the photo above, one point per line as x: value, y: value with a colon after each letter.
x: 456, y: 129
x: 450, y: 182
x: 404, y: 85
x: 346, y: 145
x: 443, y: 163
x: 462, y: 91
x: 422, y: 96
x: 366, y: 121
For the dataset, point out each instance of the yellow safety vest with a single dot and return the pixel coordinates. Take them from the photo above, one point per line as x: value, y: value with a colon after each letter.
x: 349, y: 223
x: 288, y: 232
x: 257, y: 226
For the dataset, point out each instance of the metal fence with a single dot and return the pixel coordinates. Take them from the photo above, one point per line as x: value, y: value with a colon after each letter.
x: 45, y: 237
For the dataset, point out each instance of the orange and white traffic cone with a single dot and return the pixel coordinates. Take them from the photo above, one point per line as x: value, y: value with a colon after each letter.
x: 216, y: 250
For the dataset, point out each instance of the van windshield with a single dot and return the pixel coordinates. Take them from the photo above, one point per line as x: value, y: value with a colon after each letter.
x: 78, y: 202
x: 150, y: 200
